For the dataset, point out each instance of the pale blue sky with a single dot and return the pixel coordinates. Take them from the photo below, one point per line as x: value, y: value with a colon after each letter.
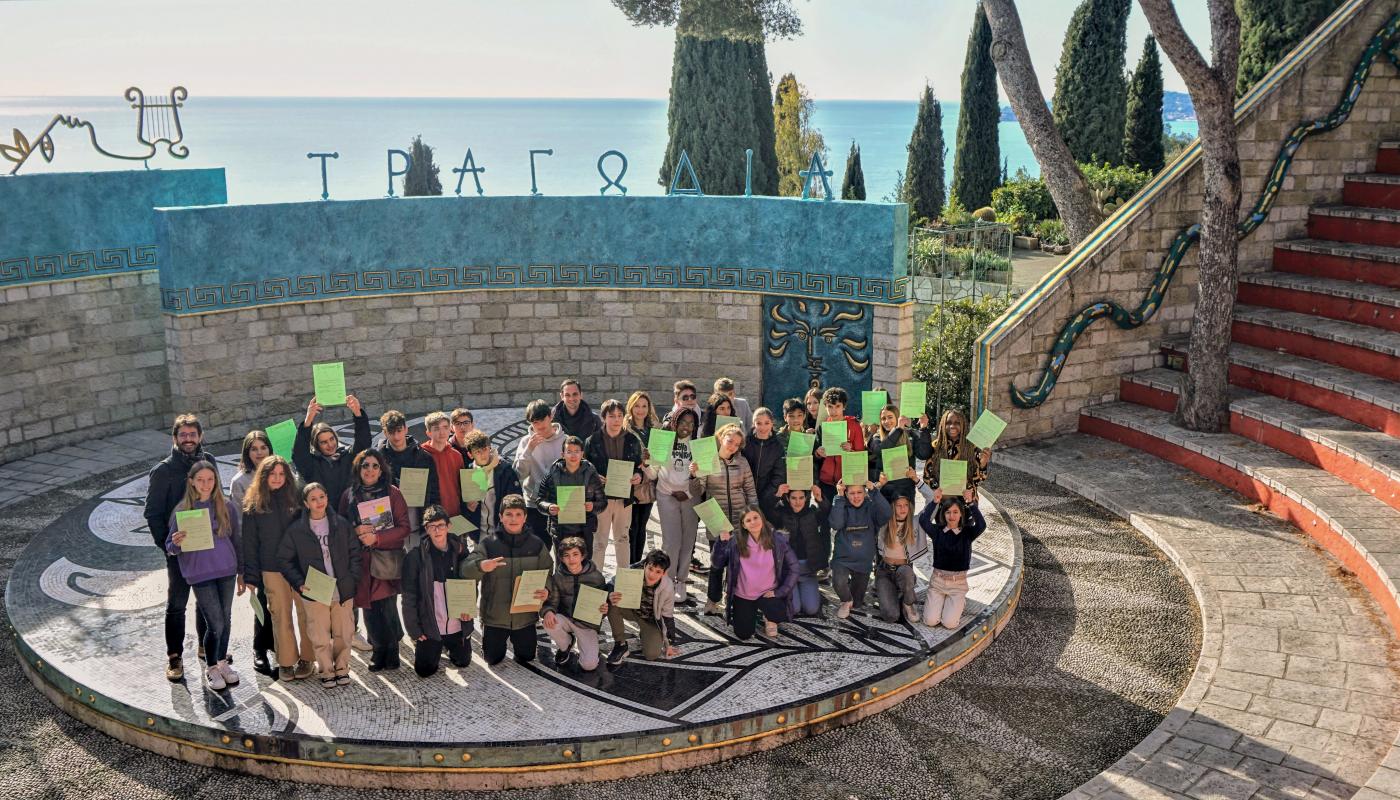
x: 865, y: 49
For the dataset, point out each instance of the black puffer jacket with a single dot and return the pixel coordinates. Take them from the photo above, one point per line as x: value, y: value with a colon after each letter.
x: 333, y: 472
x: 167, y: 489
x: 412, y: 457
x: 804, y: 535
x: 419, y: 614
x: 300, y: 550
x: 563, y: 590
x: 262, y: 539
x: 595, y: 451
x: 766, y: 461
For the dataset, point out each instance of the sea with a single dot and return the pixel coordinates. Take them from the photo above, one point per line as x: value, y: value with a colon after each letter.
x: 263, y: 142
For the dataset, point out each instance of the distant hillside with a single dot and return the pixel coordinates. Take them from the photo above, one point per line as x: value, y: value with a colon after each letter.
x: 1175, y: 106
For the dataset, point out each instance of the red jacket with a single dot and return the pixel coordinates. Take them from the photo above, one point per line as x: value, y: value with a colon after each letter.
x: 449, y: 465
x: 830, y: 471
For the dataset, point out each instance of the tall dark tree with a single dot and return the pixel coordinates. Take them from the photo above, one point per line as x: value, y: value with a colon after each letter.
x: 853, y: 182
x: 924, y: 175
x: 721, y: 95
x: 1269, y: 29
x: 1091, y: 94
x: 421, y: 180
x: 1142, y: 132
x: 977, y: 159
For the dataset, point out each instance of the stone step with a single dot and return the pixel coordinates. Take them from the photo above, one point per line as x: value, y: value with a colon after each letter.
x: 1373, y: 190
x: 1360, y: 530
x: 1358, y: 455
x: 1388, y: 158
x: 1358, y: 347
x: 1356, y: 224
x: 1361, y: 398
x: 1340, y: 260
x: 1349, y: 301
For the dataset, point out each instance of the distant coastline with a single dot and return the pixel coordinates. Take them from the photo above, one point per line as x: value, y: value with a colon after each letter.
x: 1176, y: 107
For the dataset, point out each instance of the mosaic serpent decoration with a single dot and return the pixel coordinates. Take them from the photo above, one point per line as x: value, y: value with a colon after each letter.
x: 1386, y: 42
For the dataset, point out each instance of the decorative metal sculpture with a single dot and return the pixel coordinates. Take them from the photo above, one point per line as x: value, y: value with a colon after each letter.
x: 810, y: 321
x: 157, y: 122
x: 1386, y: 42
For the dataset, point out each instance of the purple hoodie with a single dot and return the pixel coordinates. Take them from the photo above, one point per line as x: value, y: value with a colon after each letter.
x: 207, y: 565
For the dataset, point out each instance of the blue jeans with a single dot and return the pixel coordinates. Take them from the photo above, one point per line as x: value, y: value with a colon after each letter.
x: 214, y: 602
x: 806, y: 599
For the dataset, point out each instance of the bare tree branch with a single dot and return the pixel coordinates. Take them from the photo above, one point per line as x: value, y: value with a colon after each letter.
x: 1166, y: 26
x: 1061, y: 175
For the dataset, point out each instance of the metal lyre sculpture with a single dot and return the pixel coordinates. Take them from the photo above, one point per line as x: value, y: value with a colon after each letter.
x: 157, y: 123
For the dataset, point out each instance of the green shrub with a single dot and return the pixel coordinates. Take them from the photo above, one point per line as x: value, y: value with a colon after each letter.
x: 943, y: 357
x: 985, y: 214
x: 954, y: 213
x: 1052, y: 232
x: 1019, y: 222
x: 1024, y: 194
x: 1116, y: 184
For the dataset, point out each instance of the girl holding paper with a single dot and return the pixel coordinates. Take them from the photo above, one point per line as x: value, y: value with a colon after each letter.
x: 762, y: 571
x: 949, y: 442
x: 895, y: 431
x: 322, y: 541
x: 269, y: 508
x: 718, y: 406
x: 764, y: 452
x: 677, y: 492
x: 210, y: 566
x: 382, y: 536
x: 732, y: 486
x: 641, y: 418
x: 256, y: 447
x: 952, y: 524
x: 898, y: 549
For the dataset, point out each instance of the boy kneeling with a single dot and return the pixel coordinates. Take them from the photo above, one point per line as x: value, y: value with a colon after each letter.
x: 500, y: 558
x: 426, y: 569
x: 656, y: 619
x: 558, y: 611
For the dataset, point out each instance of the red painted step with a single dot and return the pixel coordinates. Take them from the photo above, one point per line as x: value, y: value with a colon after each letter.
x: 1362, y: 303
x: 1340, y: 261
x: 1388, y: 158
x: 1376, y: 190
x: 1356, y: 347
x: 1355, y: 224
x: 1363, y: 399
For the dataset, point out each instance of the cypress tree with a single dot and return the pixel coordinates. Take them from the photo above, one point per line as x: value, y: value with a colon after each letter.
x: 1090, y: 91
x: 853, y: 182
x: 421, y: 180
x: 1142, y: 134
x: 1269, y: 29
x: 796, y: 140
x: 977, y: 159
x: 923, y: 176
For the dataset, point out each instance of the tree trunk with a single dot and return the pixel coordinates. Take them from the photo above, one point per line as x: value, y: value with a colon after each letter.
x: 1057, y: 168
x: 1205, y: 403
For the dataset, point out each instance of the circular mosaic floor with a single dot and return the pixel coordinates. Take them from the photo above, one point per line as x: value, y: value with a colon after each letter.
x: 86, y: 599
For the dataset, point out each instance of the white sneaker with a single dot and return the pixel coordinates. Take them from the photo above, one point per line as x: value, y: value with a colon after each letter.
x: 844, y: 611
x: 215, y: 679
x: 909, y: 615
x: 360, y: 644
x: 230, y: 676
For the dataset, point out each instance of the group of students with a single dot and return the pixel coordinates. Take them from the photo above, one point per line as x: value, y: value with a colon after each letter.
x: 336, y: 513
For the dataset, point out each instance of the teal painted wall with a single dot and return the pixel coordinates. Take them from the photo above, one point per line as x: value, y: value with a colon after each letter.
x: 238, y: 256
x: 67, y: 225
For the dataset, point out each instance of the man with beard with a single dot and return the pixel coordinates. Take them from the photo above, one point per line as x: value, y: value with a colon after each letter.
x: 164, y: 493
x: 572, y: 412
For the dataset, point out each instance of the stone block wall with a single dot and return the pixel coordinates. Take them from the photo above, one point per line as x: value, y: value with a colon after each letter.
x: 1123, y: 264
x: 893, y: 343
x: 249, y: 368
x: 83, y: 359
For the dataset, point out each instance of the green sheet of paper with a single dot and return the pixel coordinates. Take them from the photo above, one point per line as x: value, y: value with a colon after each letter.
x: 713, y: 516
x: 913, y: 399
x: 199, y: 531
x: 660, y: 443
x: 460, y: 525
x: 619, y: 479
x: 413, y: 484
x: 283, y: 437
x: 628, y: 583
x: 952, y: 476
x: 474, y: 483
x: 871, y: 404
x: 723, y: 420
x: 461, y: 597
x: 896, y: 461
x: 799, y: 473
x: 834, y: 433
x: 986, y: 430
x: 523, y: 597
x: 329, y: 380
x: 320, y: 587
x: 801, y: 444
x: 855, y: 467
x: 257, y: 605
x: 705, y: 453
x: 588, y: 607
x: 571, y: 505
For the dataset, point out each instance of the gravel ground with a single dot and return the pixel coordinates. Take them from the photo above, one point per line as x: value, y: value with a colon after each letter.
x: 1103, y: 643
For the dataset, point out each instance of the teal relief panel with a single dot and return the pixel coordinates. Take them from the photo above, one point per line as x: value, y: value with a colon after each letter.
x: 810, y: 343
x: 232, y: 257
x: 68, y: 225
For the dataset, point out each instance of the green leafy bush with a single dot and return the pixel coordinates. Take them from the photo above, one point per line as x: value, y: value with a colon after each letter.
x: 1117, y: 183
x: 1019, y: 222
x: 1025, y: 195
x: 1051, y: 231
x: 943, y: 357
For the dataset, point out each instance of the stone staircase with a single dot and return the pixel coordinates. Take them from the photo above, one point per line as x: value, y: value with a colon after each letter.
x: 1315, y: 372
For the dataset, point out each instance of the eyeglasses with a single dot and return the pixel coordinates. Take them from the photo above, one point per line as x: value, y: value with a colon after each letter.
x: 436, y: 526
x: 369, y: 465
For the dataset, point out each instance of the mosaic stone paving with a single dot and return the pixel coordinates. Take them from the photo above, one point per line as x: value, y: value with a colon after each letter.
x: 87, y: 596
